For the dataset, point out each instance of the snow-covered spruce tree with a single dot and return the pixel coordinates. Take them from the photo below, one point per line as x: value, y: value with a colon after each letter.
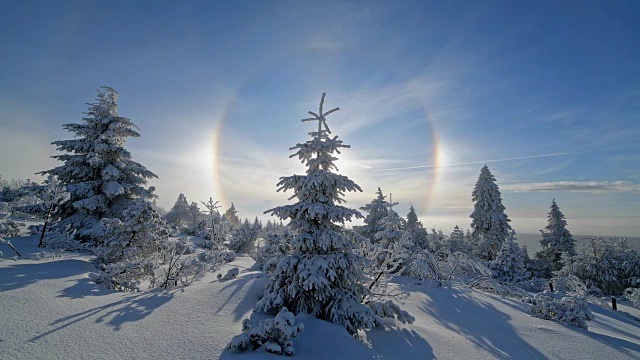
x: 194, y: 213
x: 376, y: 210
x: 179, y: 213
x: 556, y: 239
x: 244, y: 238
x: 415, y: 230
x: 490, y: 225
x: 509, y: 264
x: 98, y: 172
x: 457, y: 242
x: 232, y: 216
x: 322, y: 276
x: 387, y: 254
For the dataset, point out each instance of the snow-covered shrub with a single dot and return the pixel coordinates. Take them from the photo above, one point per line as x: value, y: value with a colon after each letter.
x: 389, y: 309
x: 43, y: 255
x: 375, y: 211
x: 534, y: 285
x: 492, y: 286
x: 633, y: 295
x: 230, y: 275
x: 423, y: 265
x: 180, y: 269
x: 127, y: 251
x: 125, y: 275
x: 10, y: 228
x: 607, y: 264
x: 569, y: 284
x: 437, y: 240
x: 275, y: 335
x: 443, y: 266
x: 50, y: 196
x: 559, y: 307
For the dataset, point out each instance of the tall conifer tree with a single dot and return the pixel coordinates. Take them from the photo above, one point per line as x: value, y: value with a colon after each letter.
x: 556, y: 239
x: 98, y: 172
x: 323, y: 276
x: 490, y: 225
x: 376, y: 210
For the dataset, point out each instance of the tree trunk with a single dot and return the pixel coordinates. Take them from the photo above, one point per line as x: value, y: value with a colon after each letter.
x: 44, y: 228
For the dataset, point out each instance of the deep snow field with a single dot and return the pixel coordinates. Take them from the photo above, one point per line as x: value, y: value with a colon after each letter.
x: 51, y: 309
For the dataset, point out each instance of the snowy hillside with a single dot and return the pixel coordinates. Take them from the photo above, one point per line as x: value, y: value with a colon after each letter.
x: 51, y: 309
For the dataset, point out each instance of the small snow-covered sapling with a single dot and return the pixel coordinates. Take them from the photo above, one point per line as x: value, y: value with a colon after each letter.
x: 231, y: 274
x: 274, y: 334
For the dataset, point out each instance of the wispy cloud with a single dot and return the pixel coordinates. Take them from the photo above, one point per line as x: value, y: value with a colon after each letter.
x: 489, y: 161
x: 575, y: 186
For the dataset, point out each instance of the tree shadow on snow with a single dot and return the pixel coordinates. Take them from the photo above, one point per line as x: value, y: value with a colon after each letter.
x: 479, y: 322
x: 617, y: 343
x: 397, y: 343
x: 131, y: 308
x: 82, y: 288
x: 254, y: 292
x: 24, y: 274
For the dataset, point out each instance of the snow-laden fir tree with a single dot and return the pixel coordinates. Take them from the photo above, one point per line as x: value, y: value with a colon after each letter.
x: 415, y: 230
x: 243, y: 238
x: 556, y: 239
x: 256, y: 228
x: 457, y: 242
x: 179, y: 213
x: 376, y: 210
x: 194, y: 213
x: 393, y: 228
x: 490, y: 225
x: 98, y: 172
x: 232, y: 215
x: 509, y: 264
x: 323, y: 276
x: 393, y: 233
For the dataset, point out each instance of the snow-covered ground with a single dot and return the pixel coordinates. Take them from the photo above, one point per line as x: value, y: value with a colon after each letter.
x: 50, y: 309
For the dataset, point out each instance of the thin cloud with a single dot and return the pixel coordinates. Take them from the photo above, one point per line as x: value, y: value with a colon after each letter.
x: 489, y: 161
x: 575, y: 186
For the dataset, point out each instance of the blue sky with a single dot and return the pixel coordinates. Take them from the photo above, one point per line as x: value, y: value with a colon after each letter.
x: 546, y: 93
